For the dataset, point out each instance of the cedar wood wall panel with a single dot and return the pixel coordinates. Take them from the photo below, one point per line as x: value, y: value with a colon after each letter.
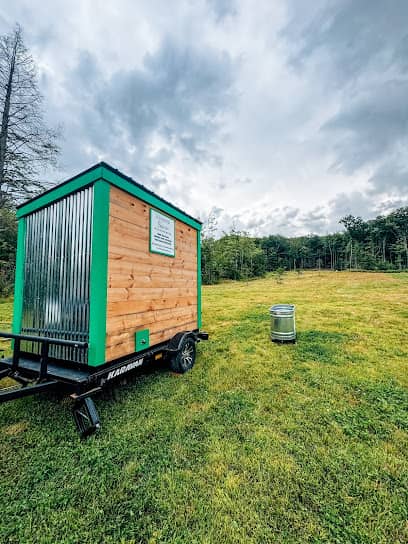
x: 146, y: 290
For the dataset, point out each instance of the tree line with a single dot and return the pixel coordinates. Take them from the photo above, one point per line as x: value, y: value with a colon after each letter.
x: 376, y: 244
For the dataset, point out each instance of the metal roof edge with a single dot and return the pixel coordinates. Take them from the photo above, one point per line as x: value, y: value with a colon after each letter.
x: 71, y: 185
x: 149, y: 196
x: 92, y: 174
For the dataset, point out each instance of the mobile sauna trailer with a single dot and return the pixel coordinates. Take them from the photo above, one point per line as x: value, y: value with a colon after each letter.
x: 107, y: 279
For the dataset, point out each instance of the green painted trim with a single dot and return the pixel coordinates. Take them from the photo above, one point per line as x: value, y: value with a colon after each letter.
x: 59, y: 192
x: 199, y: 279
x: 142, y: 340
x: 19, y: 278
x: 154, y: 201
x: 99, y: 274
x: 150, y: 234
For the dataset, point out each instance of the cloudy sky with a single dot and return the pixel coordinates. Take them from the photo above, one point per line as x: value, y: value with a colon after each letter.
x: 279, y: 116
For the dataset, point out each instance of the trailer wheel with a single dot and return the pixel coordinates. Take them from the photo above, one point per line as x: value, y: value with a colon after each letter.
x: 184, y: 358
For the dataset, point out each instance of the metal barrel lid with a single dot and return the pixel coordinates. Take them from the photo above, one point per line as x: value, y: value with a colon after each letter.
x: 282, y: 309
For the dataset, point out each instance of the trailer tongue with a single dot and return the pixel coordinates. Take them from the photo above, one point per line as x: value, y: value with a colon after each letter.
x: 40, y: 375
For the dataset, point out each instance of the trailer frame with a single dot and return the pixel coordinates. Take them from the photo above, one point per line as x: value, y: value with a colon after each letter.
x: 39, y: 374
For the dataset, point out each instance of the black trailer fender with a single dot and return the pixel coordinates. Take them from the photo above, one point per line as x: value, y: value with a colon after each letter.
x: 178, y: 339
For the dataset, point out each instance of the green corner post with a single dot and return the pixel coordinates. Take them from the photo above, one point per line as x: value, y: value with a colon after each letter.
x: 19, y: 277
x: 99, y: 274
x: 199, y: 278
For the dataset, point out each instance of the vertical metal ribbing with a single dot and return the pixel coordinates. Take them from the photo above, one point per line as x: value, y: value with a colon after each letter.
x: 75, y: 299
x: 68, y: 284
x: 27, y: 262
x: 81, y: 315
x: 40, y: 273
x: 43, y: 271
x: 47, y: 299
x: 70, y: 287
x: 63, y: 271
x: 35, y: 273
x: 71, y: 278
x: 28, y: 316
x: 74, y: 270
x: 57, y: 273
x: 88, y: 253
x: 80, y: 258
x: 36, y: 261
x: 54, y: 310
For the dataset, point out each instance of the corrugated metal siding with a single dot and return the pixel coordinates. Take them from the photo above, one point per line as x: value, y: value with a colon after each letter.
x: 56, y: 278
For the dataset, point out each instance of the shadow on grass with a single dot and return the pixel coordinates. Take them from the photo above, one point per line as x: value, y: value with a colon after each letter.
x: 322, y: 347
x: 381, y: 408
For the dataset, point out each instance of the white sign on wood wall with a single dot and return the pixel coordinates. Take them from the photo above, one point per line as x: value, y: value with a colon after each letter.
x: 162, y: 234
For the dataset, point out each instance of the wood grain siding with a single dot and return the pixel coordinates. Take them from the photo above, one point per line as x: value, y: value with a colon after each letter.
x: 146, y: 290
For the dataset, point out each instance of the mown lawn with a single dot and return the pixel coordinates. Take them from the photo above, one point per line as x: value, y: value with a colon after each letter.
x: 6, y: 316
x: 258, y: 443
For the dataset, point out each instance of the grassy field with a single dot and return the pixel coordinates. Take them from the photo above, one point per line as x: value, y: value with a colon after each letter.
x: 258, y: 443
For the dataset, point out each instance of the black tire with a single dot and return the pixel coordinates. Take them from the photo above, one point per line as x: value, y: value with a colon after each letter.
x: 184, y: 358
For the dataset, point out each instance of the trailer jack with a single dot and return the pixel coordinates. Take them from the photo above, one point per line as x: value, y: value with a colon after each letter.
x: 86, y: 417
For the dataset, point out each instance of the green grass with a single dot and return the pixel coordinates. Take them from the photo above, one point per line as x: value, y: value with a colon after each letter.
x: 258, y: 443
x: 6, y: 312
x: 6, y: 316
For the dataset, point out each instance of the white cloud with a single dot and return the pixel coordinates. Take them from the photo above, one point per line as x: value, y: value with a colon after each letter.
x: 283, y: 116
